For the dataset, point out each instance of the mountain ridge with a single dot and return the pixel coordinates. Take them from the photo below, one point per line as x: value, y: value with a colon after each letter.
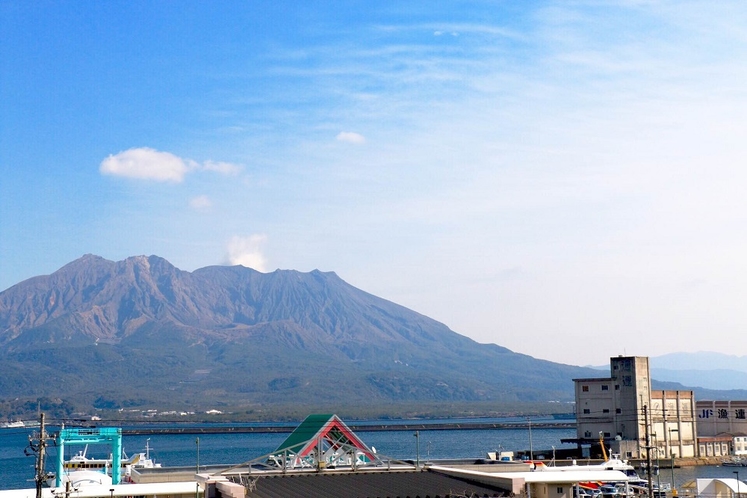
x: 138, y: 330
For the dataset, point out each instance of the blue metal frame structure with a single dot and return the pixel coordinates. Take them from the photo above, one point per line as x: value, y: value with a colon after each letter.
x: 103, y: 435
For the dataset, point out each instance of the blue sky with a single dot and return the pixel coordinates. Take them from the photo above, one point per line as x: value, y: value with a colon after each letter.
x: 565, y: 179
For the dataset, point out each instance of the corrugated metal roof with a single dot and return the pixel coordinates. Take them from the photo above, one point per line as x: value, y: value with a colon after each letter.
x: 414, y: 484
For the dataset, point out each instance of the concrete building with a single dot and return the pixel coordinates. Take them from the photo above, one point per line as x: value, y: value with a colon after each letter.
x: 722, y: 427
x: 673, y: 423
x: 618, y: 407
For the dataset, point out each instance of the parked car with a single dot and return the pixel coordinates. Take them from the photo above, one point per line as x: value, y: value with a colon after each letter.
x: 609, y: 491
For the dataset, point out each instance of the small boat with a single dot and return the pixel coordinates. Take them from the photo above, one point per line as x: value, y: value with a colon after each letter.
x: 564, y: 416
x: 734, y: 462
x: 18, y: 424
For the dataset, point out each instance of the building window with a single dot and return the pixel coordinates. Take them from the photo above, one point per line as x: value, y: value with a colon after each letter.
x: 607, y: 434
x: 587, y: 411
x: 605, y: 410
x: 617, y: 387
x: 560, y: 490
x: 605, y: 387
x: 587, y: 434
x: 585, y: 389
x: 618, y: 410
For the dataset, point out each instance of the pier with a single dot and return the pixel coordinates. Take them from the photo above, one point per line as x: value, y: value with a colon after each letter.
x: 259, y: 429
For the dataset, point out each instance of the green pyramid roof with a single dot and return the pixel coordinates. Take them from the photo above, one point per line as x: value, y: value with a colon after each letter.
x: 305, y: 437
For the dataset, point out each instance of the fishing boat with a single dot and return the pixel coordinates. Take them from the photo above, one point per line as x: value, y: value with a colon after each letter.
x: 734, y: 462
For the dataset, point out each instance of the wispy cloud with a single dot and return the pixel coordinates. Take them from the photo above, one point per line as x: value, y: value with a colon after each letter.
x: 247, y: 251
x: 351, y: 137
x: 221, y: 167
x: 145, y: 163
x: 201, y: 202
x: 549, y: 145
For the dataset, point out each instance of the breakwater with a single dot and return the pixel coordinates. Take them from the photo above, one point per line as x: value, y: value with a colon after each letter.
x: 410, y: 426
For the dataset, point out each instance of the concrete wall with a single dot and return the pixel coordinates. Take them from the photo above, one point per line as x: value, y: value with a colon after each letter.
x: 543, y: 490
x: 717, y: 417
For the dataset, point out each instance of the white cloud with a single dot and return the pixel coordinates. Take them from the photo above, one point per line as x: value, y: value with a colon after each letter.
x: 351, y: 137
x: 221, y: 167
x: 144, y: 163
x: 247, y: 251
x: 200, y: 202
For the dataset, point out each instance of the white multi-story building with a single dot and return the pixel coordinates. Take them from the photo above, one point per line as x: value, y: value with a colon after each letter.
x: 618, y: 407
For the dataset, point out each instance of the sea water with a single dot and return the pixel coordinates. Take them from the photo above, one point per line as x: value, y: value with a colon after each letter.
x: 183, y: 450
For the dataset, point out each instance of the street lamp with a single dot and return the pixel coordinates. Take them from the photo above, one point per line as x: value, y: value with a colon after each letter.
x: 417, y: 449
x: 671, y: 451
x: 737, y: 473
x: 531, y: 450
x: 658, y: 473
x: 197, y: 442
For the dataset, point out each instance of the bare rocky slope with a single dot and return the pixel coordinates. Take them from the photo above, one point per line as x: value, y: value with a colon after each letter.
x: 142, y: 332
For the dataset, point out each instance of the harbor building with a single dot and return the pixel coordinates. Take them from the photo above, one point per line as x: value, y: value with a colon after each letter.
x: 619, y: 409
x: 722, y: 427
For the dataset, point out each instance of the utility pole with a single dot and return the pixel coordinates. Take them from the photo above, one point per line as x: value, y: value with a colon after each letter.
x: 648, y: 452
x: 39, y: 448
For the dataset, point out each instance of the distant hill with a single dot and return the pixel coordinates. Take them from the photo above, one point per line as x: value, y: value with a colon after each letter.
x: 701, y: 361
x: 141, y: 332
x: 708, y: 370
x: 711, y: 375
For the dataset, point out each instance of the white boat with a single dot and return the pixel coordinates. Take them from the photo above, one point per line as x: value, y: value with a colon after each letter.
x: 84, y: 470
x: 82, y: 462
x: 13, y: 425
x: 614, y: 463
x: 80, y: 478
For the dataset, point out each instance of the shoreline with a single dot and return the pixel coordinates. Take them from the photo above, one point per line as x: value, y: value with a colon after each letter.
x: 239, y: 429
